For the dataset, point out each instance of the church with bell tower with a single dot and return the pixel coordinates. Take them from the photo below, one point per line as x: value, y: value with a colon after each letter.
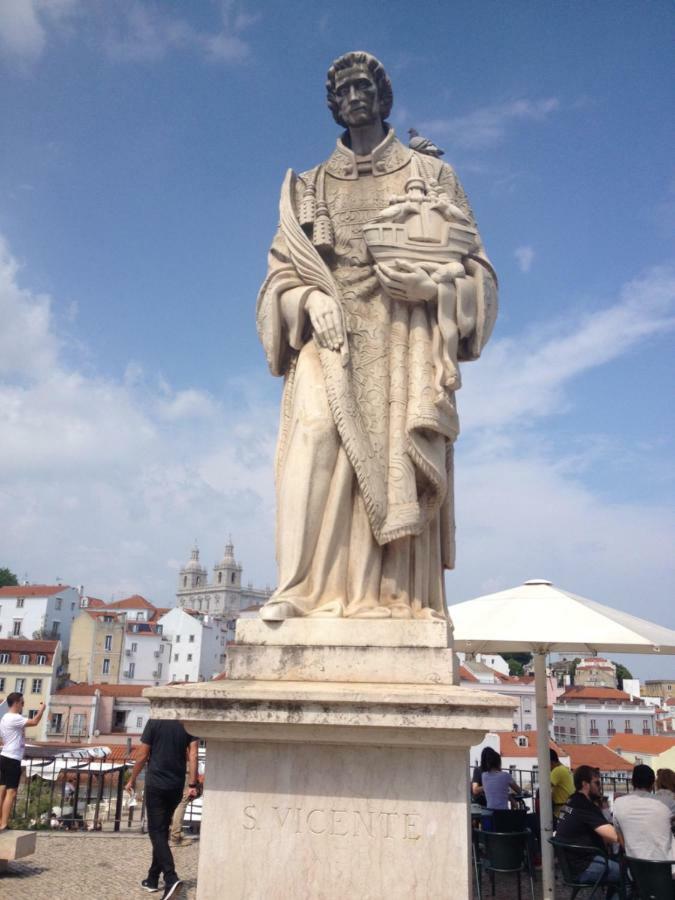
x: 222, y: 595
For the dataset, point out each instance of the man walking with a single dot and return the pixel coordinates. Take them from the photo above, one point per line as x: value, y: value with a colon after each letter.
x: 13, y: 736
x: 165, y: 746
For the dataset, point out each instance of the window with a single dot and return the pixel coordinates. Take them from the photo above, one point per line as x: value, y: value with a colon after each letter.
x: 20, y: 685
x: 16, y: 630
x: 134, y: 647
x: 192, y: 638
x: 175, y: 657
x: 139, y: 616
x: 79, y: 725
x: 220, y: 577
x: 2, y: 685
x: 527, y: 726
x: 19, y: 602
x: 159, y: 629
x: 72, y: 606
x: 37, y: 686
x: 610, y: 726
x: 189, y: 657
x: 108, y: 642
x: 59, y: 603
x: 106, y: 667
x: 187, y: 678
x: 178, y: 639
x: 56, y: 723
x: 232, y: 578
x: 56, y: 628
x: 645, y: 726
x: 139, y: 721
x: 627, y: 727
x: 594, y: 728
x: 161, y: 648
x: 159, y: 670
x: 24, y: 659
x: 32, y: 713
x: 184, y: 580
x: 4, y: 657
x: 132, y: 669
x: 41, y: 659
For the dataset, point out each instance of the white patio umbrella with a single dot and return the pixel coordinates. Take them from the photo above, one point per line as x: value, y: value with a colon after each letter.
x: 538, y: 618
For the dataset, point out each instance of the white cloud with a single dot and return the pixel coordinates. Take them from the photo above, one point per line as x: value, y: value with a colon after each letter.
x: 127, y: 30
x: 526, y: 377
x: 488, y: 125
x: 525, y: 257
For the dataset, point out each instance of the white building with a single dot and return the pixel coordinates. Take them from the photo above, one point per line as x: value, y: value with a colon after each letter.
x: 477, y: 675
x: 146, y: 654
x: 491, y: 660
x: 39, y: 611
x: 198, y: 644
x: 224, y: 595
x: 587, y: 715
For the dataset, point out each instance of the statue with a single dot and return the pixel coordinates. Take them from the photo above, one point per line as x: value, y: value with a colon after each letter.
x: 378, y: 286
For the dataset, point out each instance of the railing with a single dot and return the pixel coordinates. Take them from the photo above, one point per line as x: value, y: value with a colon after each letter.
x: 66, y: 794
x: 118, y: 729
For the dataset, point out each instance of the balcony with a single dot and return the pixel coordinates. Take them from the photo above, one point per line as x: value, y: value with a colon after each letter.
x: 628, y: 731
x: 118, y: 729
x: 594, y: 732
x: 55, y: 731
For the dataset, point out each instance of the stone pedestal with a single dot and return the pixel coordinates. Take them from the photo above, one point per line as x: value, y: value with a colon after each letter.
x: 337, y: 762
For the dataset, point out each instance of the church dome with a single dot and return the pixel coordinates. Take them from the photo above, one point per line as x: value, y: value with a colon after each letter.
x: 193, y: 565
x: 228, y: 557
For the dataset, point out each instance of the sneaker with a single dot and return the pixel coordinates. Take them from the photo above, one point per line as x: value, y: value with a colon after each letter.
x: 171, y: 889
x: 150, y: 886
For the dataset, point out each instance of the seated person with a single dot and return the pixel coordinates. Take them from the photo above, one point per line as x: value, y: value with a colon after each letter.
x: 642, y: 821
x: 477, y: 792
x: 562, y: 784
x: 496, y: 783
x: 665, y: 789
x: 581, y: 822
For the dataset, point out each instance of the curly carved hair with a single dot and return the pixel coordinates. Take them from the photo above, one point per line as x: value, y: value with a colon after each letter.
x: 385, y: 93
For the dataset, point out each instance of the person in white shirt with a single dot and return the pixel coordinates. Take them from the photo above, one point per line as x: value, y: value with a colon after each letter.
x: 13, y: 736
x: 642, y: 821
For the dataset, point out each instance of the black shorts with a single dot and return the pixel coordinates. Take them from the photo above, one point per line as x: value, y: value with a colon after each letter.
x: 10, y: 772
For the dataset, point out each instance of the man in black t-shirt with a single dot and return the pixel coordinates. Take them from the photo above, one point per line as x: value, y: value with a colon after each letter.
x: 165, y: 746
x: 581, y: 822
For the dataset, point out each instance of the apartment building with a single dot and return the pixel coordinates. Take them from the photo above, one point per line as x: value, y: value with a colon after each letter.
x: 97, y: 713
x: 198, y: 644
x: 39, y: 611
x: 587, y: 715
x: 659, y: 687
x: 96, y: 646
x: 33, y: 669
x: 595, y: 672
x: 146, y: 654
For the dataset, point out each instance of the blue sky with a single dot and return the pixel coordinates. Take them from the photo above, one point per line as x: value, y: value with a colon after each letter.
x: 142, y: 151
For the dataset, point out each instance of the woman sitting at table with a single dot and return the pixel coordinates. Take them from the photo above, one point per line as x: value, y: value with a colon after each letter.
x: 497, y: 784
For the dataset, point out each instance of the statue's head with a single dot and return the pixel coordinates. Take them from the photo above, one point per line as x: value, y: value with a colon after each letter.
x: 358, y: 89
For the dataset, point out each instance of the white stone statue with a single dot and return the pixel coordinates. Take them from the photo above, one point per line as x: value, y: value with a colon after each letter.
x: 378, y: 285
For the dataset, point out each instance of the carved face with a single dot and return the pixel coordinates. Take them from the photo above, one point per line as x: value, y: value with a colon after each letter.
x: 356, y: 94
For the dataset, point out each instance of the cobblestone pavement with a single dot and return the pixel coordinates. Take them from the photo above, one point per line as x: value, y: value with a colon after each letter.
x: 92, y: 866
x: 111, y: 867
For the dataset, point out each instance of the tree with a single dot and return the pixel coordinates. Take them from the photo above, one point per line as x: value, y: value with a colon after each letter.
x: 8, y: 578
x: 517, y: 662
x: 621, y: 673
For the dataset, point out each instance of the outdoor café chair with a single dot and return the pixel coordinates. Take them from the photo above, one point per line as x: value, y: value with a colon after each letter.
x: 562, y: 854
x: 506, y: 852
x: 653, y: 880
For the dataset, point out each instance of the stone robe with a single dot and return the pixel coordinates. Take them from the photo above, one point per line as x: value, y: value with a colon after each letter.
x: 364, y: 468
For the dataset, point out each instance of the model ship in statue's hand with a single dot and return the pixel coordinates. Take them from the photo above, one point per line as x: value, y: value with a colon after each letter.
x: 418, y: 243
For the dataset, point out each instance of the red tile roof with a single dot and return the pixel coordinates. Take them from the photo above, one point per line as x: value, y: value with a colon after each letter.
x: 119, y: 753
x: 107, y: 690
x: 508, y: 744
x: 32, y: 590
x: 641, y: 743
x: 17, y: 646
x: 596, y: 755
x: 94, y: 603
x: 466, y: 675
x: 159, y: 612
x: 133, y: 602
x: 589, y: 692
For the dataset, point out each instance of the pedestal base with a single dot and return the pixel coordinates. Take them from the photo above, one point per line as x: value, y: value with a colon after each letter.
x: 335, y: 786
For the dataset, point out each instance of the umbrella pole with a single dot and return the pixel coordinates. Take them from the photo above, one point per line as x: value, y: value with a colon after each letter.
x: 544, y: 761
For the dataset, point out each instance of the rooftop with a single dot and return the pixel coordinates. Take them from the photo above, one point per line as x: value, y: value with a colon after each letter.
x: 106, y: 690
x: 641, y: 743
x: 592, y: 692
x: 33, y: 590
x: 509, y: 746
x: 596, y: 755
x: 133, y: 602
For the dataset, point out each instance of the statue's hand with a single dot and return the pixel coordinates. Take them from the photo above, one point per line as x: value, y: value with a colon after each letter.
x: 324, y: 314
x: 406, y: 281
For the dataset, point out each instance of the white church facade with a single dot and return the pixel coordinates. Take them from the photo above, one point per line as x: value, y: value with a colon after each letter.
x: 224, y: 595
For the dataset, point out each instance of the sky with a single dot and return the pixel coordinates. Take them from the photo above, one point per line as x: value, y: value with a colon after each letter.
x: 142, y: 151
